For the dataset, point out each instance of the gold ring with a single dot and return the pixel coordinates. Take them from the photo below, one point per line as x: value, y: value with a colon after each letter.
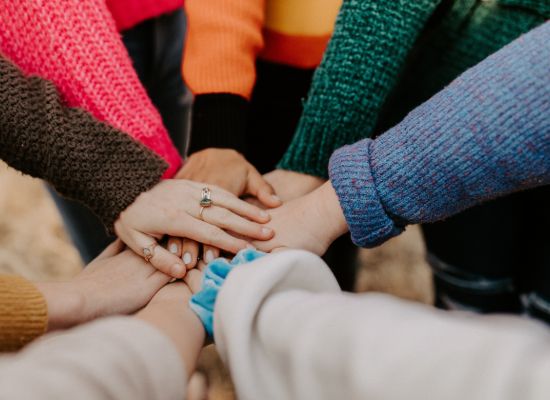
x: 149, y: 252
x: 206, y: 200
x: 201, y: 211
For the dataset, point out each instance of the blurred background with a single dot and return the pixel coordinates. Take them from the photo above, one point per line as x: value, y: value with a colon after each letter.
x: 33, y: 243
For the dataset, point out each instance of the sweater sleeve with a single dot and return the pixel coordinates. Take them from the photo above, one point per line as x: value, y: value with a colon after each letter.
x: 23, y: 313
x: 75, y: 45
x: 289, y: 336
x: 368, y: 48
x: 222, y: 43
x: 112, y: 358
x: 486, y: 135
x: 84, y: 159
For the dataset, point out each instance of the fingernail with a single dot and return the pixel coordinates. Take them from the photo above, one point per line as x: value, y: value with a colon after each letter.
x: 177, y: 269
x: 275, y: 197
x: 266, y: 231
x: 264, y: 214
x: 173, y: 248
x: 187, y: 258
x: 209, y: 256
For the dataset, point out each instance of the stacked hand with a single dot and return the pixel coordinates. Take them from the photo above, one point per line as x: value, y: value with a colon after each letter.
x: 229, y: 170
x: 173, y: 208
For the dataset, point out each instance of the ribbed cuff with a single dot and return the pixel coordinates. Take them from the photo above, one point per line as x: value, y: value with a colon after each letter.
x: 352, y: 178
x: 219, y: 120
x: 23, y: 313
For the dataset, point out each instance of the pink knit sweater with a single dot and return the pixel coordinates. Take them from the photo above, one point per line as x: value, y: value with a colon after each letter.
x: 128, y: 13
x: 75, y: 44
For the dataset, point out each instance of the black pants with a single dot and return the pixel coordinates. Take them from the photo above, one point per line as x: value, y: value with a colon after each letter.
x: 495, y: 257
x: 156, y: 48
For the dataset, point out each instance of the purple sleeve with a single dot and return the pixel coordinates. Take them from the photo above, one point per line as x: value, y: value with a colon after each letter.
x: 486, y: 135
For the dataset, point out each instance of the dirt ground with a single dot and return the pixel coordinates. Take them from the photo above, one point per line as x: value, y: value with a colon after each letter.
x: 34, y: 244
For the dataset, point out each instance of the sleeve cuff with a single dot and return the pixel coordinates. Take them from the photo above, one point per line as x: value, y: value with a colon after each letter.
x: 351, y: 176
x: 219, y: 120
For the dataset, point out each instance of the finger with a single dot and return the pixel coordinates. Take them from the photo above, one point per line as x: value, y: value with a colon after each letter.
x: 225, y: 219
x: 112, y: 250
x: 174, y: 246
x: 210, y: 253
x: 190, y: 253
x: 257, y: 186
x: 240, y: 207
x: 193, y: 279
x: 266, y: 246
x: 211, y: 235
x: 162, y: 259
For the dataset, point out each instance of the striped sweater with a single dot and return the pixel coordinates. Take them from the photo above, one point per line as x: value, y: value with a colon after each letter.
x: 225, y: 40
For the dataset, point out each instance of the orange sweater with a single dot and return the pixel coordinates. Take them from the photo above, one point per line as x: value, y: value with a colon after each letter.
x: 226, y: 36
x: 23, y: 312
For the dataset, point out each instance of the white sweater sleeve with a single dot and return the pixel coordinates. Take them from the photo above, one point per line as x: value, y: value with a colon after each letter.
x: 287, y: 332
x: 113, y: 358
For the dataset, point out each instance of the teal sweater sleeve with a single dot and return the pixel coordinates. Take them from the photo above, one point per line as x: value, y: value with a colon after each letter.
x: 368, y: 49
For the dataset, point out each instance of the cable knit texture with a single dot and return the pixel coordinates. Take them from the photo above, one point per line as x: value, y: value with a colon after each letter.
x: 82, y: 158
x: 75, y: 45
x: 375, y: 44
x: 23, y: 312
x: 486, y: 135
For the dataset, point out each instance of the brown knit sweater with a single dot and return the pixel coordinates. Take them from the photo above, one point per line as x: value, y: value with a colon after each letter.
x: 23, y: 312
x: 84, y: 159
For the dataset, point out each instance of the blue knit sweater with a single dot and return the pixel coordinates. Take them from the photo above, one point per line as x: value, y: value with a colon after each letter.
x: 485, y: 135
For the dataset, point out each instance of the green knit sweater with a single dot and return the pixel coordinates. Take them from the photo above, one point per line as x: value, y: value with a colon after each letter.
x: 386, y: 57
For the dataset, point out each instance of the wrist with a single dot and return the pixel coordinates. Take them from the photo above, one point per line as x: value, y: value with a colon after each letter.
x: 332, y: 216
x: 65, y: 304
x: 181, y: 325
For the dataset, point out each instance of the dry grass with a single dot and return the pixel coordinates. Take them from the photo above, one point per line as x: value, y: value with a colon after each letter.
x: 34, y: 244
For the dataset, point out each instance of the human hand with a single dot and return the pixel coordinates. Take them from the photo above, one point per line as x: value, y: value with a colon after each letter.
x: 172, y: 208
x: 229, y: 170
x: 116, y: 282
x: 311, y: 222
x: 290, y: 185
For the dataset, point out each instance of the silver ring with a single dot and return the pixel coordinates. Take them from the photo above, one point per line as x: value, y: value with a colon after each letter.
x: 149, y: 252
x: 206, y: 199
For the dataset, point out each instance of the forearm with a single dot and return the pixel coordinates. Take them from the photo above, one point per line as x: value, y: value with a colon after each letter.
x: 370, y: 43
x: 114, y: 358
x: 484, y: 136
x: 181, y: 326
x: 294, y: 337
x: 75, y: 45
x: 82, y: 158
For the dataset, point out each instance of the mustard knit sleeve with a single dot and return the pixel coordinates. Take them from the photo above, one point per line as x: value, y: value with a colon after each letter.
x: 23, y: 312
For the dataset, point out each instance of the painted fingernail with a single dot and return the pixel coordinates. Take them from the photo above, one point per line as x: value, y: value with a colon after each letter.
x: 266, y: 231
x: 173, y: 248
x: 209, y: 256
x: 187, y: 258
x: 275, y: 197
x: 177, y: 270
x: 264, y: 214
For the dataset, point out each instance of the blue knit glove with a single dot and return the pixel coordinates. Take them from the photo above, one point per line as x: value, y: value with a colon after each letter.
x: 203, y: 302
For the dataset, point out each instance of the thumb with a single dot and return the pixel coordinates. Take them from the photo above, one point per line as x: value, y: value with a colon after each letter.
x: 258, y: 187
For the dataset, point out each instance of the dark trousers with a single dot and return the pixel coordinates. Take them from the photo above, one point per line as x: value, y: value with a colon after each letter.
x: 156, y: 48
x: 495, y: 257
